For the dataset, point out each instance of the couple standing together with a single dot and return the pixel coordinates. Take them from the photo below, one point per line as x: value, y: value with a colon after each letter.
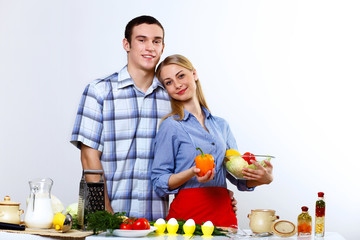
x: 142, y: 127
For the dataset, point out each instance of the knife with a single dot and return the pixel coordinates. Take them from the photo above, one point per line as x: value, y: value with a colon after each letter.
x: 11, y: 226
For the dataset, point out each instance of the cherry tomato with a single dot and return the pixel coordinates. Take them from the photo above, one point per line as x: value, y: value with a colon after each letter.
x: 248, y: 156
x: 126, y: 226
x: 141, y: 224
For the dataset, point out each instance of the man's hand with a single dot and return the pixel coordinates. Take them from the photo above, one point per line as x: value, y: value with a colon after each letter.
x: 90, y: 159
x: 233, y: 200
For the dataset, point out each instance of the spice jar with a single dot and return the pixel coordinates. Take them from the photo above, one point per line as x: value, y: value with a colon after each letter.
x: 304, y: 222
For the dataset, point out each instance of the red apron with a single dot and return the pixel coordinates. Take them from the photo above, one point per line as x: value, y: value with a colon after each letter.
x: 203, y: 204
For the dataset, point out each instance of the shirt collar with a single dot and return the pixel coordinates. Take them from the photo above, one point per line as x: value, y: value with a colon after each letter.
x: 125, y: 80
x: 205, y: 110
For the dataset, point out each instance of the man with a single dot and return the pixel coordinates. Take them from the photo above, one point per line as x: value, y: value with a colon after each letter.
x: 117, y: 120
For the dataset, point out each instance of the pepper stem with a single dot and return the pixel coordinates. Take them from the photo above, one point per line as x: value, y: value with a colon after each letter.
x: 202, y: 154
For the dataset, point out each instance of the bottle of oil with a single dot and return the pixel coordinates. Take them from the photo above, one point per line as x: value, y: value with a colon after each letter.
x: 320, y: 216
x: 304, y: 222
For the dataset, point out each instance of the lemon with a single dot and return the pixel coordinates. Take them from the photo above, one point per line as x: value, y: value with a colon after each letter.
x: 231, y: 152
x: 58, y: 221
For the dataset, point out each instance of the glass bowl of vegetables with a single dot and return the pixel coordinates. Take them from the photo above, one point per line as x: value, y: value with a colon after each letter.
x: 235, y: 163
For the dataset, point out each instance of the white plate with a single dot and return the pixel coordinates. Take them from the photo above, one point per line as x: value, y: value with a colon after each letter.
x: 133, y: 233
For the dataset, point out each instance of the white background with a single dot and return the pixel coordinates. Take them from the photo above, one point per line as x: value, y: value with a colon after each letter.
x: 283, y: 73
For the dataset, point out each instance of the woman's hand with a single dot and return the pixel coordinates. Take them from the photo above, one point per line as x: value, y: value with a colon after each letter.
x: 263, y: 175
x: 178, y: 179
x: 207, y: 177
x: 233, y: 200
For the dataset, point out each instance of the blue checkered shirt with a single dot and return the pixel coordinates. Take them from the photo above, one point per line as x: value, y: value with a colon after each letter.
x: 119, y: 120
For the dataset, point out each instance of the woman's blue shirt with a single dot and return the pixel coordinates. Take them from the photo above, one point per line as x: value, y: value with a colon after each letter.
x: 175, y: 151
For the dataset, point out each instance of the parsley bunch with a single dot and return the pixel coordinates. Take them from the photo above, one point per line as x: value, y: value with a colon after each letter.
x: 100, y: 221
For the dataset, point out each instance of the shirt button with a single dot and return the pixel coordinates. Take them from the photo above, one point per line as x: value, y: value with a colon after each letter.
x: 212, y: 143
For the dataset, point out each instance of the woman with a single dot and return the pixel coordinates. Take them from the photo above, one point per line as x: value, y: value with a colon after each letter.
x: 191, y: 125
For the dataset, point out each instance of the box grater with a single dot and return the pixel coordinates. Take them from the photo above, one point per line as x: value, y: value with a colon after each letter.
x: 91, y: 196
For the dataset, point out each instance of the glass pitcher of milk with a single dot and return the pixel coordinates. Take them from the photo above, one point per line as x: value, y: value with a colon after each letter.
x: 39, y: 212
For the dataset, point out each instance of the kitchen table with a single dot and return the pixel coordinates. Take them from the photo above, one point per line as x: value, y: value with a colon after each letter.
x: 104, y: 236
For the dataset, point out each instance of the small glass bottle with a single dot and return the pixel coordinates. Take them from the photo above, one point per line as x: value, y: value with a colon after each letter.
x: 304, y: 222
x: 320, y: 216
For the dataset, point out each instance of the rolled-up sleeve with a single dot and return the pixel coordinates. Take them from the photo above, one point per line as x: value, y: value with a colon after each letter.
x: 165, y: 149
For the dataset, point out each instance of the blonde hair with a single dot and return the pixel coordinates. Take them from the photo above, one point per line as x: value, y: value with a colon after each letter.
x: 177, y: 106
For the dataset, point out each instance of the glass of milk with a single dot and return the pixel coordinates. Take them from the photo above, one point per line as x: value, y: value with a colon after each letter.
x: 39, y: 212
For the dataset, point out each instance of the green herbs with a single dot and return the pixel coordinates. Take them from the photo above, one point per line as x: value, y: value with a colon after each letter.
x: 102, y: 221
x: 75, y: 224
x: 198, y: 231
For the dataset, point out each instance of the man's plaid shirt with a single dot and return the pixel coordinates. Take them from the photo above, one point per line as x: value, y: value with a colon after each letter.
x: 119, y: 120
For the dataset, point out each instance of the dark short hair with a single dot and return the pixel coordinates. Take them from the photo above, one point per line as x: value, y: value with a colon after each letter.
x: 140, y: 20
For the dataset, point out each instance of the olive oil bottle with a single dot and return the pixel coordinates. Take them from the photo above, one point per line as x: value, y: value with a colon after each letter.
x: 320, y: 216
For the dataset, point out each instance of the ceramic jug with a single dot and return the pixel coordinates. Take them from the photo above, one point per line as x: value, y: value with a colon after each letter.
x: 39, y: 212
x: 10, y: 212
x: 261, y: 220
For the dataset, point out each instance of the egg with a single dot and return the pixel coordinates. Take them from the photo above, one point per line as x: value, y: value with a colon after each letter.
x: 207, y: 228
x: 160, y: 221
x: 172, y: 221
x: 189, y: 227
x: 160, y: 224
x: 172, y: 226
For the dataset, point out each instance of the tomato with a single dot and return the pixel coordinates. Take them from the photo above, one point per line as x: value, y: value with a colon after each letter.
x: 126, y: 226
x: 248, y: 156
x: 141, y: 224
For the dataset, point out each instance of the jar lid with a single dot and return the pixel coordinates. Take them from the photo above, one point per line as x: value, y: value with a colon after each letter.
x: 304, y: 208
x: 8, y: 202
x: 263, y: 210
x: 284, y: 228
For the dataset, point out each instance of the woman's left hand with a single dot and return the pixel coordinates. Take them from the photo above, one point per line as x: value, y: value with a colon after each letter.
x: 263, y: 175
x: 207, y: 177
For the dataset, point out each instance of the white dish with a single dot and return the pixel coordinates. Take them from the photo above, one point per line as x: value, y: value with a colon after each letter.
x: 133, y: 233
